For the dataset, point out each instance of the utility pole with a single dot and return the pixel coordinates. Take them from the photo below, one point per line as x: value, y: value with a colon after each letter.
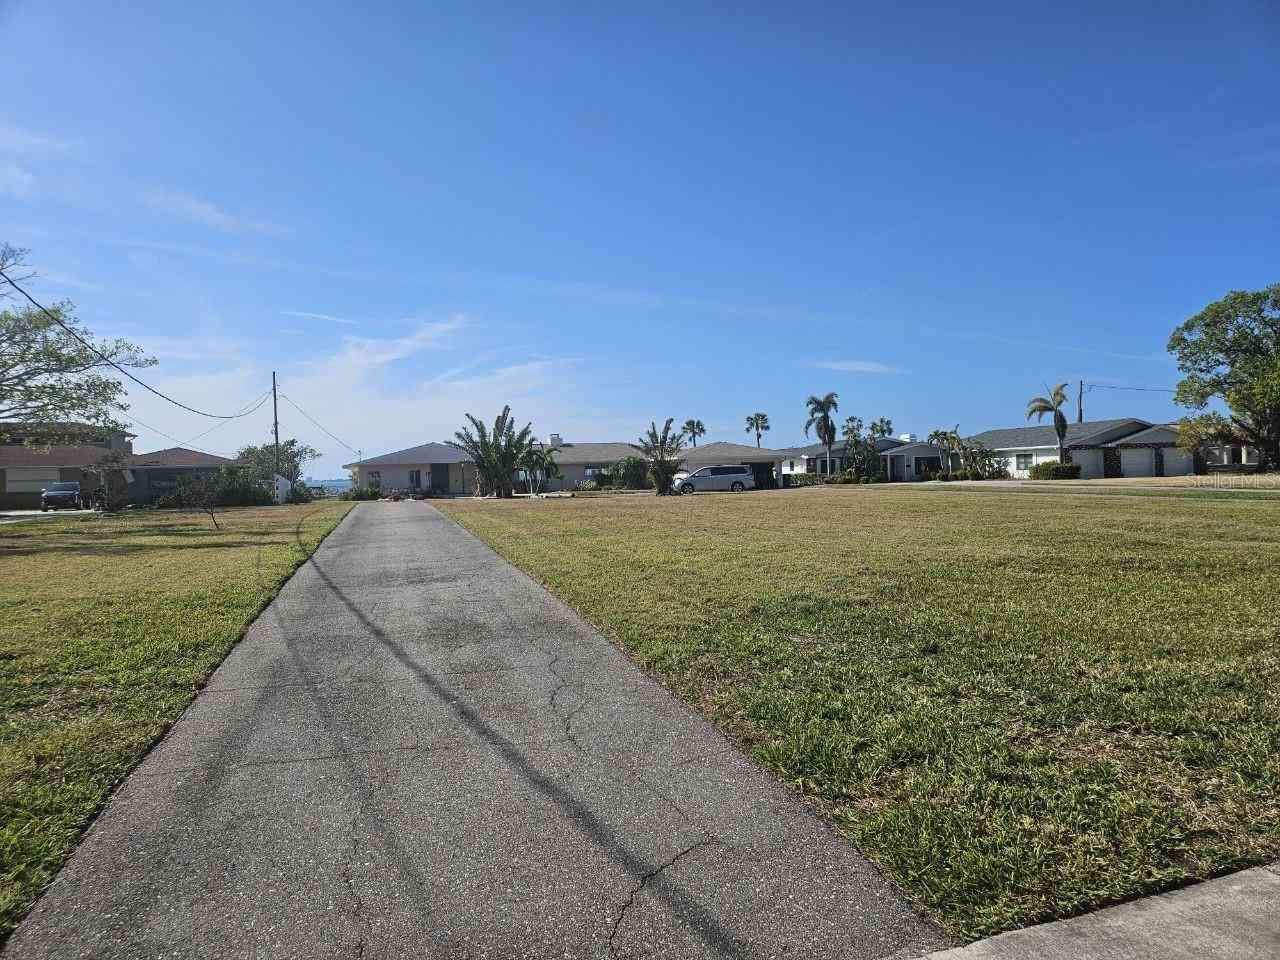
x: 275, y: 419
x: 1080, y: 404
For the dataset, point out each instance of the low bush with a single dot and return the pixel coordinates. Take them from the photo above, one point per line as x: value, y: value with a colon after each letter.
x: 587, y: 486
x: 1053, y: 470
x: 363, y: 493
x: 299, y: 493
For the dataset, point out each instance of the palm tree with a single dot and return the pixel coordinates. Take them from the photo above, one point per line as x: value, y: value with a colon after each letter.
x: 1053, y: 403
x: 539, y: 465
x: 948, y: 441
x: 820, y: 411
x: 496, y: 453
x: 758, y: 423
x: 694, y: 429
x: 662, y: 450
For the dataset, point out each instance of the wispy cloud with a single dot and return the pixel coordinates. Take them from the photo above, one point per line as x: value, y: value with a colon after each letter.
x: 16, y: 181
x: 187, y: 207
x: 26, y: 143
x: 857, y: 366
x: 308, y: 315
x: 379, y: 351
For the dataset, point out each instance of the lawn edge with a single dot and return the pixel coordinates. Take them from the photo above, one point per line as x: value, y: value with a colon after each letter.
x: 811, y: 807
x: 109, y: 796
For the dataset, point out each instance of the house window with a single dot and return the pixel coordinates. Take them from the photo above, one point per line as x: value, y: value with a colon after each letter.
x: 791, y: 466
x: 375, y: 478
x: 592, y: 470
x: 415, y: 479
x: 1023, y: 461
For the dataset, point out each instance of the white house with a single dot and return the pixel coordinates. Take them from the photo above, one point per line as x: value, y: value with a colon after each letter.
x: 1021, y: 448
x: 813, y: 458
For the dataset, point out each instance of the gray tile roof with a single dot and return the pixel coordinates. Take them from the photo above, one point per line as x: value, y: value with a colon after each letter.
x: 722, y: 452
x: 1044, y: 435
x: 1160, y: 433
x: 423, y: 453
x: 920, y: 449
x: 818, y: 450
x: 594, y: 453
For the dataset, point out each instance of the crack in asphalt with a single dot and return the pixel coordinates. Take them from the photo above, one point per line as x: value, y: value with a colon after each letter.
x: 645, y: 881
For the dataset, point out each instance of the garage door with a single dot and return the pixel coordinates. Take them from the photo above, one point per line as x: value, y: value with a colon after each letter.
x: 1178, y: 463
x: 1138, y: 463
x: 29, y: 479
x: 1090, y: 463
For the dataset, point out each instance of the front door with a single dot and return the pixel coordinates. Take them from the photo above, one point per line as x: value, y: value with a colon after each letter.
x: 440, y: 477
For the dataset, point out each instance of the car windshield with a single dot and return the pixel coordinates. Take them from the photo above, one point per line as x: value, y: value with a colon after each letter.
x: 63, y: 487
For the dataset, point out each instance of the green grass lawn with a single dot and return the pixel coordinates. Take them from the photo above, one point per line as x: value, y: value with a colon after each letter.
x: 1022, y: 707
x: 108, y: 626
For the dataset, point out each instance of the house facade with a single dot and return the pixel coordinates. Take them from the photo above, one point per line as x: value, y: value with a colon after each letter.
x: 426, y: 468
x: 150, y: 476
x: 590, y: 461
x: 1021, y: 448
x: 813, y: 457
x: 912, y: 462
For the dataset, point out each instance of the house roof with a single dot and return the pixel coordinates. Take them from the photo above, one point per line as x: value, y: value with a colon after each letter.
x: 818, y: 450
x: 593, y: 453
x: 178, y: 457
x: 1166, y: 433
x: 58, y: 429
x: 1044, y: 436
x: 423, y: 453
x: 920, y: 449
x: 722, y: 452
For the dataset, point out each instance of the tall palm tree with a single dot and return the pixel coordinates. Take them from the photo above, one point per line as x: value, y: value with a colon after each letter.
x: 1052, y: 403
x: 693, y: 429
x: 758, y: 423
x: 539, y: 465
x: 662, y: 450
x: 496, y: 453
x: 820, y: 411
x: 948, y: 441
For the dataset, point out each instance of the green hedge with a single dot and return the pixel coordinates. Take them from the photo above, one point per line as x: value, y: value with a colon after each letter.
x: 1053, y: 470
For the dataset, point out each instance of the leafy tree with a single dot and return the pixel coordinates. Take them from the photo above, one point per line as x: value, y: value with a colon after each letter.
x: 662, y: 451
x: 49, y: 377
x: 496, y: 453
x: 694, y: 429
x: 1052, y: 403
x: 1230, y: 351
x: 260, y: 459
x: 630, y: 473
x: 820, y: 410
x: 758, y: 423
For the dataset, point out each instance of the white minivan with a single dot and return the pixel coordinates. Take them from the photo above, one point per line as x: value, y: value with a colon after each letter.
x: 732, y: 477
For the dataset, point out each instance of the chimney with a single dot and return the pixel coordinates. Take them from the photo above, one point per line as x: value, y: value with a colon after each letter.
x: 908, y: 438
x: 555, y: 441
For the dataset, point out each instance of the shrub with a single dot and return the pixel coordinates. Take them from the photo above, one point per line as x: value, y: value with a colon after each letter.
x: 1053, y: 470
x: 630, y: 473
x: 299, y: 493
x: 587, y: 486
x: 363, y: 493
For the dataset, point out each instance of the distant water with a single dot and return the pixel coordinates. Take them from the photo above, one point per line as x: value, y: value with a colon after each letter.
x: 337, y: 486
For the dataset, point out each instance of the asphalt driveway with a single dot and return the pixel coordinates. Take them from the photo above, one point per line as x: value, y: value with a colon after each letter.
x: 417, y: 752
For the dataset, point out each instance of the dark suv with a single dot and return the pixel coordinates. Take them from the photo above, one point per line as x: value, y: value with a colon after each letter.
x: 58, y: 496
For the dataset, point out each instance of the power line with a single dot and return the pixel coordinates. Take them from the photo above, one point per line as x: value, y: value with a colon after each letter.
x: 313, y: 420
x: 1108, y: 386
x: 168, y: 436
x: 257, y: 403
x: 105, y: 359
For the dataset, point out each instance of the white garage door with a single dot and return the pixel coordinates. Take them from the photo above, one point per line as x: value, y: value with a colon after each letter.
x: 1138, y: 463
x: 29, y: 479
x: 1178, y: 463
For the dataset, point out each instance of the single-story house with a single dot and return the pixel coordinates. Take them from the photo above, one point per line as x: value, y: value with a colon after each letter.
x: 912, y: 461
x: 435, y: 467
x: 150, y: 476
x: 813, y: 458
x: 588, y: 461
x: 584, y: 461
x: 1021, y: 448
x: 26, y: 468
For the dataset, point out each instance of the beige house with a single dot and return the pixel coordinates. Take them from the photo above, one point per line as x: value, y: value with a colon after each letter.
x: 426, y: 468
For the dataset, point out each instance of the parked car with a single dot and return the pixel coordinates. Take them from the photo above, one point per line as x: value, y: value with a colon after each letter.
x: 60, y: 496
x: 733, y: 477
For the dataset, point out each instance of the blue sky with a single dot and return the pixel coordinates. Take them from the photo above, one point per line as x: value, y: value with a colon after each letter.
x: 606, y: 219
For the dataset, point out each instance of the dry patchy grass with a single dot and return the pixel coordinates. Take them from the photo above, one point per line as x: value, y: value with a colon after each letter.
x: 1022, y: 707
